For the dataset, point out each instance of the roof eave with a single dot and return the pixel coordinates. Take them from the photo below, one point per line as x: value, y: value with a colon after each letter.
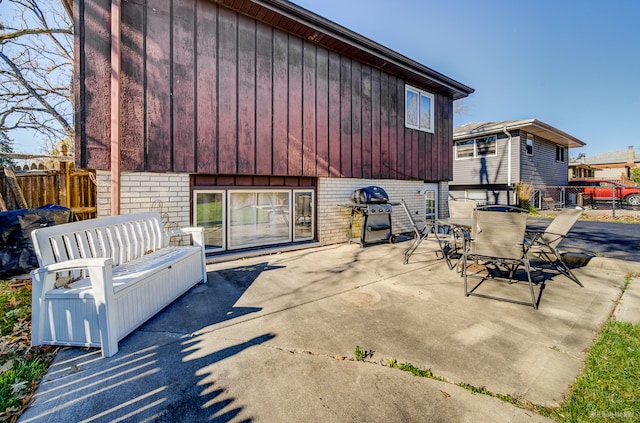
x: 318, y: 23
x: 532, y: 126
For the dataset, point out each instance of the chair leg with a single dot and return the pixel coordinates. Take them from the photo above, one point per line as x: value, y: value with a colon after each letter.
x: 562, y: 266
x: 570, y: 274
x: 464, y: 274
x: 527, y: 268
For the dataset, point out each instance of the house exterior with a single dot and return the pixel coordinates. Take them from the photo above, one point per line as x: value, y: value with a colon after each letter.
x: 579, y: 169
x: 256, y: 119
x: 614, y: 165
x: 491, y: 158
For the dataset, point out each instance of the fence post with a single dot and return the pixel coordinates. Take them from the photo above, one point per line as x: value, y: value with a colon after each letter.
x: 613, y: 202
x: 13, y: 184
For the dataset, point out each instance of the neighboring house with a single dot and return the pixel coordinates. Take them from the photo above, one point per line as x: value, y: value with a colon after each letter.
x: 579, y: 169
x: 491, y: 158
x: 614, y: 165
x: 254, y: 118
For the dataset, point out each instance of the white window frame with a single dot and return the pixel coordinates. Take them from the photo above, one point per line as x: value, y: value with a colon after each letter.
x: 223, y: 229
x: 428, y: 190
x: 414, y: 117
x: 475, y: 148
x: 312, y: 221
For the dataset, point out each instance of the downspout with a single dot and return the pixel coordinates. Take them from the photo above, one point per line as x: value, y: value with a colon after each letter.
x: 115, y: 107
x: 504, y: 129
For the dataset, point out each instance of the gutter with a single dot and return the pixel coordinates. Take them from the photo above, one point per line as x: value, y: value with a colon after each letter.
x: 504, y: 129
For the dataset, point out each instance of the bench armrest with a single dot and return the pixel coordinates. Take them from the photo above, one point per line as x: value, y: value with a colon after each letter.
x: 75, y: 264
x: 100, y: 273
x: 196, y: 232
x: 197, y: 235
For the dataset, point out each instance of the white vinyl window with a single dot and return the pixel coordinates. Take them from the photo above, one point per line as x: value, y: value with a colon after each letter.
x: 479, y: 147
x: 529, y: 145
x: 419, y: 109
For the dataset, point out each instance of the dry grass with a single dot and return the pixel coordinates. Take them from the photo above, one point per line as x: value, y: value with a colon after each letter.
x: 22, y: 366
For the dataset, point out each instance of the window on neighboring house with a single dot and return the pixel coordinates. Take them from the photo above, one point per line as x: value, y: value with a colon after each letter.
x: 480, y: 147
x: 419, y: 109
x: 560, y: 153
x: 529, y: 145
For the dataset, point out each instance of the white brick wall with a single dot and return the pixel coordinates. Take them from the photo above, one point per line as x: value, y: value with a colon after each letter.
x: 333, y: 220
x: 167, y: 193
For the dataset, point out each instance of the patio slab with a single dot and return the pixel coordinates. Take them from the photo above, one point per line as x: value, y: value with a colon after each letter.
x: 272, y: 338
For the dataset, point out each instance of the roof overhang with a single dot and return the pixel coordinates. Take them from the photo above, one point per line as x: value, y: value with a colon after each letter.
x: 311, y: 27
x: 531, y: 126
x: 305, y: 24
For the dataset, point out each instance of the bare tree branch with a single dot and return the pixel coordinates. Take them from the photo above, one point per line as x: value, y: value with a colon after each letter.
x: 36, y: 70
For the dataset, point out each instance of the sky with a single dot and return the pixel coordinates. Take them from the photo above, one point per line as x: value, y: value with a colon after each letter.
x: 573, y: 64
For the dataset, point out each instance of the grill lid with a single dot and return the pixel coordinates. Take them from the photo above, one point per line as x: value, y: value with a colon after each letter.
x: 370, y: 195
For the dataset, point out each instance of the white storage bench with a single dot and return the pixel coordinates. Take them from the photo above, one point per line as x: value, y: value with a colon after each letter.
x: 100, y: 279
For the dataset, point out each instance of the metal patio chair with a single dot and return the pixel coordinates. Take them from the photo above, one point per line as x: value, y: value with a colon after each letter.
x: 452, y: 243
x: 496, y: 246
x: 545, y: 244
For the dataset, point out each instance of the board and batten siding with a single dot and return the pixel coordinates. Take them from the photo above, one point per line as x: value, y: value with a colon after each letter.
x: 207, y: 90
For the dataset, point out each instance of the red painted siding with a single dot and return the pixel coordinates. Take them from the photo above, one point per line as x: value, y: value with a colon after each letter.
x: 264, y: 96
x: 211, y: 91
x: 207, y: 88
x: 294, y: 135
x: 132, y: 135
x: 183, y: 83
x: 280, y: 104
x: 309, y: 91
x: 246, y: 96
x: 227, y: 88
x: 322, y: 112
x: 158, y: 87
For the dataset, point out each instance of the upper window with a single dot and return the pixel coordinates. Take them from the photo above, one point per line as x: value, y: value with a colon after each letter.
x: 560, y: 153
x: 529, y: 145
x: 480, y: 147
x: 418, y: 109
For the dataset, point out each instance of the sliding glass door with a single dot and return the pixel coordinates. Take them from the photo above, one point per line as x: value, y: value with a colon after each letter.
x: 236, y: 219
x: 209, y: 209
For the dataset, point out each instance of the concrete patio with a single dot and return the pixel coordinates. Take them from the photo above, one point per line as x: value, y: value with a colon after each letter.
x: 272, y: 338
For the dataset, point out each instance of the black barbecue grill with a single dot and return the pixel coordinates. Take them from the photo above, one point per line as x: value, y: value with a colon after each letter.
x: 373, y: 204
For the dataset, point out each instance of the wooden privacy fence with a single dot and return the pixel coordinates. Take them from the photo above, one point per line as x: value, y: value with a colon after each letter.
x: 72, y: 188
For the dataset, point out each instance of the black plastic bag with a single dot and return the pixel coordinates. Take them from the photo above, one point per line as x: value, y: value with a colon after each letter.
x: 17, y: 255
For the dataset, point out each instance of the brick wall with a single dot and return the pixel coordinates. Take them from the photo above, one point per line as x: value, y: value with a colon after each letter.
x: 333, y: 220
x: 167, y: 193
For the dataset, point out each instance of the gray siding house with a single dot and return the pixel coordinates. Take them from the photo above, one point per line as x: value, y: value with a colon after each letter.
x: 491, y: 158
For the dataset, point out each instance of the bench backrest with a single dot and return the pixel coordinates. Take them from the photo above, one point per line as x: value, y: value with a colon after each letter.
x: 123, y: 238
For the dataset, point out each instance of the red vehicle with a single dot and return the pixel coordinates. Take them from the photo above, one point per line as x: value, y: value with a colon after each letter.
x: 602, y: 190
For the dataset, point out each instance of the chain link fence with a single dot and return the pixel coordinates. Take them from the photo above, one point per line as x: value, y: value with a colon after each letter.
x: 602, y: 202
